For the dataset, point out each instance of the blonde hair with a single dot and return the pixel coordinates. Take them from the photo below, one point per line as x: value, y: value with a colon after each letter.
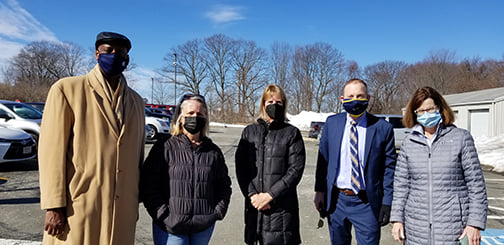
x: 269, y: 92
x: 176, y: 124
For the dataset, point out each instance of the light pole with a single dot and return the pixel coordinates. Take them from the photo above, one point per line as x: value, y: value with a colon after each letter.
x: 175, y: 83
x: 152, y: 91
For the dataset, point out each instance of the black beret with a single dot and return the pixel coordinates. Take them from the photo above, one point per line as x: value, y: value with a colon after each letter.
x: 109, y: 37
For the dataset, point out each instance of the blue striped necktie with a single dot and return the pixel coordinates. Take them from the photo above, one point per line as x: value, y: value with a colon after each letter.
x: 354, y: 156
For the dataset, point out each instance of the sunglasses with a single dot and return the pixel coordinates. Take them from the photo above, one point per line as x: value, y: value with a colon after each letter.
x: 193, y: 96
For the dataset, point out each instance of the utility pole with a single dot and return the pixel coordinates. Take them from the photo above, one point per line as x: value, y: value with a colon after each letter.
x: 175, y: 90
x: 152, y: 91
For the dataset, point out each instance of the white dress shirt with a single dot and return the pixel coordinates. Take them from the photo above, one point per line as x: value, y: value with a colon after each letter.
x: 345, y: 169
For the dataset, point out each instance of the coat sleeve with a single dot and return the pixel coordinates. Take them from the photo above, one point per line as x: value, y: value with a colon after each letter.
x: 245, y: 165
x: 390, y: 164
x: 55, y: 135
x: 295, y: 167
x: 322, y: 161
x: 401, y: 182
x: 155, y: 182
x: 223, y: 187
x: 473, y: 176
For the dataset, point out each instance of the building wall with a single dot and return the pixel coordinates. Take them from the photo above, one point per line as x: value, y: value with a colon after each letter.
x: 499, y: 118
x: 463, y: 119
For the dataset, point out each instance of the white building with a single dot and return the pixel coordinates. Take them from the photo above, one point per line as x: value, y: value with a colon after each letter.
x: 481, y: 112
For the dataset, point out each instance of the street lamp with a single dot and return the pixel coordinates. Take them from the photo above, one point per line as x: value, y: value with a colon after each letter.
x: 152, y: 91
x: 175, y: 90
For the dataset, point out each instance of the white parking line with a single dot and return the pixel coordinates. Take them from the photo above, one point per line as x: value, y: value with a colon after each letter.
x: 494, y: 180
x: 17, y: 242
x: 495, y: 217
x: 496, y: 208
x: 495, y: 198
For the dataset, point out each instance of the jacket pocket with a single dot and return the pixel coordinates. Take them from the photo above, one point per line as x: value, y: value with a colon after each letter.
x: 464, y: 209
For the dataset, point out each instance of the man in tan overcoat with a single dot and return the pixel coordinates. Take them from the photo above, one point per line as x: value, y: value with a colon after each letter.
x: 90, y: 150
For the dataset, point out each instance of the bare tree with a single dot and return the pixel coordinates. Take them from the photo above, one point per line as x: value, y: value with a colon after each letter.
x: 303, y: 70
x: 476, y: 74
x: 39, y: 64
x: 218, y: 59
x: 249, y: 65
x: 329, y: 69
x: 316, y: 71
x: 281, y: 57
x: 441, y: 70
x: 190, y: 65
x: 161, y: 92
x: 72, y: 59
x: 384, y: 80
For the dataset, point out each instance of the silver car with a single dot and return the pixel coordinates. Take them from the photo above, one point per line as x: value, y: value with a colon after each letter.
x: 400, y: 131
x: 16, y: 145
x: 18, y: 115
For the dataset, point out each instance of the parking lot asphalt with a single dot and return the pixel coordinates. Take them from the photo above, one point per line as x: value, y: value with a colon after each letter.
x: 21, y: 218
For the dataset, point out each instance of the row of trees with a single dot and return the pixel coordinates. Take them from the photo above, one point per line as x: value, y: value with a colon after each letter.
x: 232, y: 74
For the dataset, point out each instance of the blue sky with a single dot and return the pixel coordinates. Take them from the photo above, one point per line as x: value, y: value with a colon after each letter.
x: 365, y: 31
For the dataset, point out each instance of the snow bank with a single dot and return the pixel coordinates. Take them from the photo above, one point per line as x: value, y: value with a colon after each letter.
x: 491, y: 151
x: 303, y: 119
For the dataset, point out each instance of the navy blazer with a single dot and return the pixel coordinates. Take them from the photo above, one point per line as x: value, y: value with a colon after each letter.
x: 379, y: 159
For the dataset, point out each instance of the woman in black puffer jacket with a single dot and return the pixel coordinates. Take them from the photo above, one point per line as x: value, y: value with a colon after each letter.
x: 184, y: 183
x: 270, y: 160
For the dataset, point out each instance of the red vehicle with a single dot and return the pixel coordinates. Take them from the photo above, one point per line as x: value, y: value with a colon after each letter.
x: 170, y: 108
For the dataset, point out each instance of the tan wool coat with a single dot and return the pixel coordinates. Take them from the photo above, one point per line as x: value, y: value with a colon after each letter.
x: 90, y: 150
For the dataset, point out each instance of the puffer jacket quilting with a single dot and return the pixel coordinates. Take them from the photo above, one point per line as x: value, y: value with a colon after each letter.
x: 438, y: 190
x: 185, y: 190
x: 271, y: 158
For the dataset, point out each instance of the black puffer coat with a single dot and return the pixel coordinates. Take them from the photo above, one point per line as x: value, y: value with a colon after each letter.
x: 271, y: 159
x: 185, y: 190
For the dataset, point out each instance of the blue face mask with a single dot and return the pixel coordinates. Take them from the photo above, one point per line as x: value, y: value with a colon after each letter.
x: 429, y: 119
x: 112, y: 64
x: 355, y: 107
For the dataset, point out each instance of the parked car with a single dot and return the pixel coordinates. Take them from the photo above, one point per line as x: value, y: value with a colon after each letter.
x: 16, y: 145
x: 21, y: 116
x: 315, y: 129
x: 148, y: 133
x: 159, y: 124
x: 400, y: 131
x: 161, y: 111
x: 37, y: 105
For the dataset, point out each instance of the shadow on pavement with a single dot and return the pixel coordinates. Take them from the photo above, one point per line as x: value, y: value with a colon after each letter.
x: 20, y: 200
x: 27, y: 165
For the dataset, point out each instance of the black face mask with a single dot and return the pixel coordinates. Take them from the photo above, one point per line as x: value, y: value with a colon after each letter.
x: 275, y: 111
x: 194, y: 125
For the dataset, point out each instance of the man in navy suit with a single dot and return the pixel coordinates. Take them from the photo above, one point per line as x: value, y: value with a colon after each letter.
x: 355, y: 170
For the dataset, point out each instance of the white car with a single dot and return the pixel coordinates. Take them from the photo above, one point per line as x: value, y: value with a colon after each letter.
x: 16, y: 145
x: 18, y: 115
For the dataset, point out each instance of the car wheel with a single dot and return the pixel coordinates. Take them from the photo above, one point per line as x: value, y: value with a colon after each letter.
x: 152, y: 134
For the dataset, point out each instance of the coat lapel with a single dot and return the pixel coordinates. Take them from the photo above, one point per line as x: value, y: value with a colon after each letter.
x: 95, y: 79
x: 370, y: 133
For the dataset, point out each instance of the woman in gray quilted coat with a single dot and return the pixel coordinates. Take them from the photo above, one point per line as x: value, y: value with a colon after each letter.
x: 439, y: 190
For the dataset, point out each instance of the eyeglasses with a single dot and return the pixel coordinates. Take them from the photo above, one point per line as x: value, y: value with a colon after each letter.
x: 193, y: 96
x: 108, y: 49
x: 422, y: 111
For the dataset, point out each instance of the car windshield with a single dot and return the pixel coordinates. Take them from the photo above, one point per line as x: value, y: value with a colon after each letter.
x: 24, y: 111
